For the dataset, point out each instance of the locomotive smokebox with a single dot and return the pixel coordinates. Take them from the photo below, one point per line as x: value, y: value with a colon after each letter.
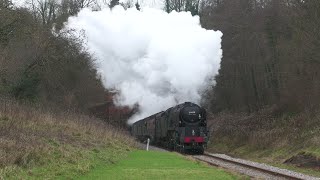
x: 190, y: 113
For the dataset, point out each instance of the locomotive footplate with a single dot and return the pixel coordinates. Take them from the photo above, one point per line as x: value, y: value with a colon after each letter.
x: 194, y: 143
x: 194, y: 147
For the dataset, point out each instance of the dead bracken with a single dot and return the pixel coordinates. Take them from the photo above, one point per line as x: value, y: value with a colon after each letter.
x: 305, y: 160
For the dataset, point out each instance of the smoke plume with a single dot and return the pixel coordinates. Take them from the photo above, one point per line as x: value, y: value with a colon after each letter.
x: 151, y: 57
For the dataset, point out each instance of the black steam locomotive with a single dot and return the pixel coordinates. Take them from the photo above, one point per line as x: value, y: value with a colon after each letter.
x: 181, y: 128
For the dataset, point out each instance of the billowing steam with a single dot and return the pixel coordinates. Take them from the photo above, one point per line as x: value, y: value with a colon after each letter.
x: 151, y: 57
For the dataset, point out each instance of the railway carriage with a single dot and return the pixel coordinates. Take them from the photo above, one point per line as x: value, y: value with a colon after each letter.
x: 182, y: 128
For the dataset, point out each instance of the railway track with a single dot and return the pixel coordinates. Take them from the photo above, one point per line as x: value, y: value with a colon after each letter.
x: 249, y: 168
x: 253, y: 169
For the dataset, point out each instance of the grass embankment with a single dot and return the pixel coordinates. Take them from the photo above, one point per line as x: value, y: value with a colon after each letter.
x: 36, y: 144
x: 157, y: 165
x: 269, y: 137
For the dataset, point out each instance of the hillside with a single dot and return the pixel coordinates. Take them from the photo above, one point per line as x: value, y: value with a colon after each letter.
x: 37, y: 143
x: 286, y: 140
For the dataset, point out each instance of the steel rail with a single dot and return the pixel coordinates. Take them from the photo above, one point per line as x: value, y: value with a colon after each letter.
x: 251, y: 166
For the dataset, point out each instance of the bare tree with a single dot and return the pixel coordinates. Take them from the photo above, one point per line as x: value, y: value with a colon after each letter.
x: 137, y: 5
x: 45, y: 10
x: 113, y: 3
x: 182, y: 5
x: 74, y: 6
x: 127, y: 4
x: 5, y: 4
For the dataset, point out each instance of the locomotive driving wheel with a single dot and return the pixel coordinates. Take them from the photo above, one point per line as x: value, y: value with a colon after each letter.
x: 171, y: 140
x: 182, y: 149
x: 175, y: 142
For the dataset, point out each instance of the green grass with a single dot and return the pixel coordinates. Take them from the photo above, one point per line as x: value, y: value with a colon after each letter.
x: 113, y: 162
x: 314, y: 151
x: 157, y: 165
x: 66, y: 162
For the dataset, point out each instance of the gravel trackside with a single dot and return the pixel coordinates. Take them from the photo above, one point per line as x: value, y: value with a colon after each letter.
x: 252, y: 172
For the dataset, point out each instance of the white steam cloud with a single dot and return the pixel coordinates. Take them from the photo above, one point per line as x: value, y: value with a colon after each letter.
x: 151, y: 57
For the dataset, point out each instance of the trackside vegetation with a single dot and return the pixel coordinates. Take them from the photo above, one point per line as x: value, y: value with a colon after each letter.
x: 157, y: 165
x: 266, y: 100
x: 39, y: 144
x: 287, y: 140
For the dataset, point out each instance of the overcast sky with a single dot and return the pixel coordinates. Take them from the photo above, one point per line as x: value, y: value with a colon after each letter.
x: 158, y: 4
x: 18, y: 2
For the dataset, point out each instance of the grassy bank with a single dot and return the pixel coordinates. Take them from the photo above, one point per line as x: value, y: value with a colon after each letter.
x: 66, y: 163
x: 157, y: 165
x: 270, y: 137
x: 37, y: 144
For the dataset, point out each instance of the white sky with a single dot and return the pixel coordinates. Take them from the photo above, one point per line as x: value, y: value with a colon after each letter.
x: 18, y: 2
x: 158, y: 4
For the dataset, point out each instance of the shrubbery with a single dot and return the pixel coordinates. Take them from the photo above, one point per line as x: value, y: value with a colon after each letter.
x: 37, y: 65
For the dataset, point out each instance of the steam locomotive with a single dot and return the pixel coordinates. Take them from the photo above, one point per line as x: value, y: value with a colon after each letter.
x: 182, y: 128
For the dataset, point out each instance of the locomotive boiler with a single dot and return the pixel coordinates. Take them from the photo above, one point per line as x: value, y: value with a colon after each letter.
x: 181, y: 128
